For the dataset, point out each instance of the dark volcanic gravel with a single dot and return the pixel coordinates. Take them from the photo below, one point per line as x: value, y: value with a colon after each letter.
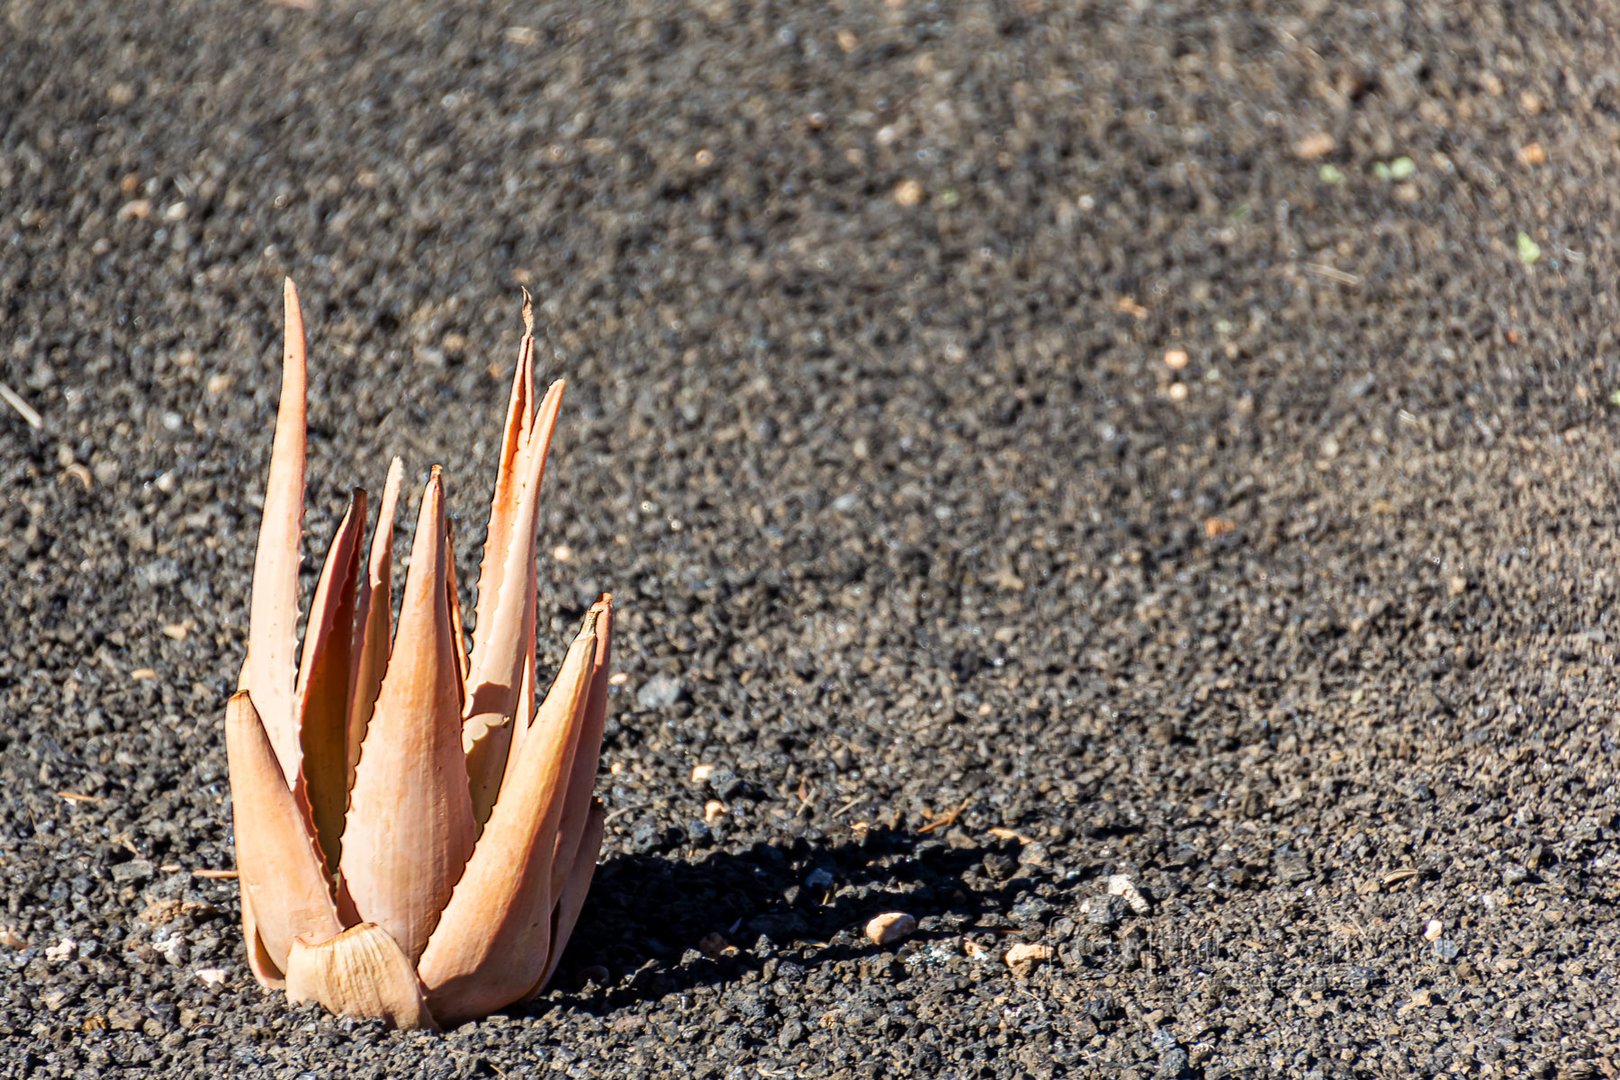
x: 1137, y: 430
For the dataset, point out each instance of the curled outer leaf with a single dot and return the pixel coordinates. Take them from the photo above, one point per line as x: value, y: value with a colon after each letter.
x: 360, y: 972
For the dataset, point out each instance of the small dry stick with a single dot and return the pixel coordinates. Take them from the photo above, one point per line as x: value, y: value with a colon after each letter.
x: 24, y: 410
x: 946, y: 819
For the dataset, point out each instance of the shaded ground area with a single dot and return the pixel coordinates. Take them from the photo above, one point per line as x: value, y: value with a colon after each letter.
x: 1139, y: 428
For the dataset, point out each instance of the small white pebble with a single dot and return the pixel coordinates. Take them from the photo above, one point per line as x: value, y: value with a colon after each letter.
x: 1122, y: 886
x: 891, y: 927
x: 62, y: 951
x: 1433, y: 929
x: 701, y: 773
x: 212, y: 976
x: 172, y: 947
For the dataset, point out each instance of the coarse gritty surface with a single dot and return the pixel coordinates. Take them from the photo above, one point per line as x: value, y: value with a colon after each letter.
x: 879, y: 433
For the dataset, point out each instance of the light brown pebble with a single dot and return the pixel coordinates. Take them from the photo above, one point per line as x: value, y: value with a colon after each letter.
x: 1316, y: 145
x: 1025, y: 957
x: 715, y: 946
x: 1176, y: 359
x: 891, y: 928
x: 908, y: 193
x: 713, y: 811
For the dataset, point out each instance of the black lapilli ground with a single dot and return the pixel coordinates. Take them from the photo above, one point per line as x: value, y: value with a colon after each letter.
x: 1137, y: 430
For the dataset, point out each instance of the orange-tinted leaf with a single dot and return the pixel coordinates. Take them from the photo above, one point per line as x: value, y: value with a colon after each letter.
x: 373, y: 618
x: 493, y: 942
x: 501, y: 642
x: 323, y: 681
x: 582, y: 775
x: 508, y: 482
x: 282, y: 875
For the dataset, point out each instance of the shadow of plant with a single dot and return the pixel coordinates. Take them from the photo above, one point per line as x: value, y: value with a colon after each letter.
x: 649, y: 918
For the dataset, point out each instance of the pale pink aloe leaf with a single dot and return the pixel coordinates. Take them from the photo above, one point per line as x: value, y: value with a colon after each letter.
x: 282, y: 875
x: 578, y: 799
x: 360, y: 972
x: 525, y: 688
x: 273, y: 614
x: 374, y: 612
x: 576, y: 884
x: 506, y: 643
x: 453, y: 600
x: 493, y: 942
x: 410, y: 824
x: 508, y: 482
x: 324, y: 675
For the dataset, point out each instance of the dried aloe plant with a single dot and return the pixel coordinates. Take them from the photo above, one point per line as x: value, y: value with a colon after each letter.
x: 414, y: 837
